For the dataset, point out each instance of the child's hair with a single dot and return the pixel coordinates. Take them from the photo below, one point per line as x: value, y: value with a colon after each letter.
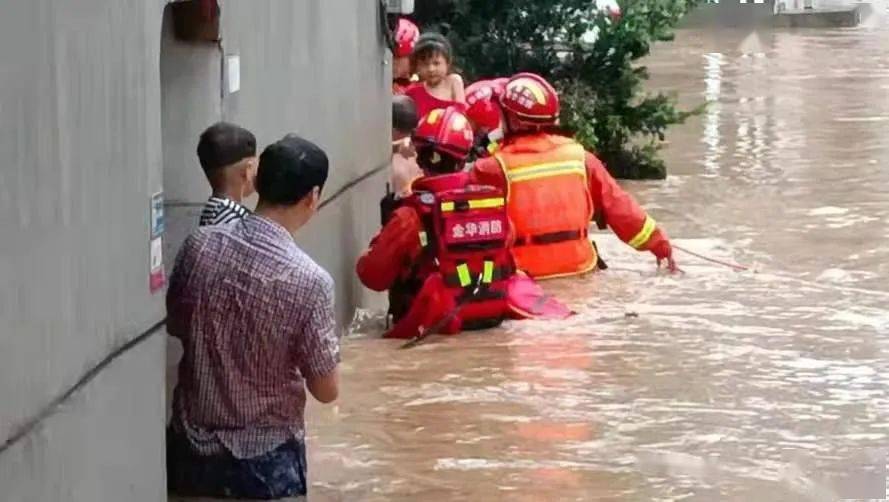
x: 404, y: 114
x: 429, y: 45
x: 223, y: 144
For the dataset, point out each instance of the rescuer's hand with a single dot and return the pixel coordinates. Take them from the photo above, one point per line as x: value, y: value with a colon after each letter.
x: 671, y: 264
x: 660, y: 247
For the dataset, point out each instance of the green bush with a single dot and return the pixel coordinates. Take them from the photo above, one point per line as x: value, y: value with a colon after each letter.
x: 603, y: 98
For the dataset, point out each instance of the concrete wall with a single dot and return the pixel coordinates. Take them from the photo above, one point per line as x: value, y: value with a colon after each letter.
x: 316, y: 68
x: 85, y: 142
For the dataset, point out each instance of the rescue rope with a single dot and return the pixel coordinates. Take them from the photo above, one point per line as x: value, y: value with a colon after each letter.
x: 739, y: 267
x: 340, y: 191
x: 413, y: 342
x: 348, y: 186
x: 733, y: 266
x: 815, y: 284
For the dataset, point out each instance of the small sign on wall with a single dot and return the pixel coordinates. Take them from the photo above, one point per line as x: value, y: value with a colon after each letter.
x: 157, y: 215
x: 233, y: 72
x: 156, y: 277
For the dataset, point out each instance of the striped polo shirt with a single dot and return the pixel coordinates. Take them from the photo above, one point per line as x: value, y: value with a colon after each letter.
x: 219, y: 210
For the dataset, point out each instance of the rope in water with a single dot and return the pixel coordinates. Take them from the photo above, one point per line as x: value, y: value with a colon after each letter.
x: 816, y: 284
x: 733, y: 266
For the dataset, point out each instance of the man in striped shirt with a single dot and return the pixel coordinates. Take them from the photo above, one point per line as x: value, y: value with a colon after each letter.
x: 227, y: 154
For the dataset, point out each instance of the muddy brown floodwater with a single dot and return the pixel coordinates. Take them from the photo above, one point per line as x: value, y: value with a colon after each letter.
x: 765, y: 385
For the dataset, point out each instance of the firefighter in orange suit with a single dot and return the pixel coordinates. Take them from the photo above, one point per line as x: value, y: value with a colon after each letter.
x: 443, y: 253
x: 555, y: 188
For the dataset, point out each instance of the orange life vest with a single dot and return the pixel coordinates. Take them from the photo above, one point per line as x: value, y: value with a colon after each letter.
x: 549, y: 203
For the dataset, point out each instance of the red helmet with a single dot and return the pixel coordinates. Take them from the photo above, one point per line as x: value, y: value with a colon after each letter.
x: 445, y: 130
x: 406, y: 36
x: 531, y: 100
x: 482, y: 98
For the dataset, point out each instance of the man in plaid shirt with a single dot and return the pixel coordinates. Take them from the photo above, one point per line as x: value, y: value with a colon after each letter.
x: 255, y: 316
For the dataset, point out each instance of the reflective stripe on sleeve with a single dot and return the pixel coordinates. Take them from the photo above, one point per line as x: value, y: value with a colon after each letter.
x: 641, y: 239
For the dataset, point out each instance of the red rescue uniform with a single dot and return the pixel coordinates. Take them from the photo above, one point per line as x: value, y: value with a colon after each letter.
x: 456, y: 253
x: 554, y: 188
x: 448, y: 246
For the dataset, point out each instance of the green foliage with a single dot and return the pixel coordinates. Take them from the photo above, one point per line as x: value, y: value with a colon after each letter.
x: 603, y: 99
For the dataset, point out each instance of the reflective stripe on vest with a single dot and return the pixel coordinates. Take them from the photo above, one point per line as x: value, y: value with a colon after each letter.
x: 546, y: 170
x: 464, y: 275
x: 644, y: 235
x: 424, y: 239
x: 476, y: 204
x: 488, y: 275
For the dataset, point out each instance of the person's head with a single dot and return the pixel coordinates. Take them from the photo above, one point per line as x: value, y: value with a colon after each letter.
x: 431, y: 58
x: 443, y: 140
x: 292, y: 173
x: 227, y: 154
x: 483, y: 106
x: 404, y: 117
x: 406, y: 36
x: 529, y: 102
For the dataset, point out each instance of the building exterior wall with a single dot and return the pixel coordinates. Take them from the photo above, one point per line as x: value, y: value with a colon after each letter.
x: 98, y: 111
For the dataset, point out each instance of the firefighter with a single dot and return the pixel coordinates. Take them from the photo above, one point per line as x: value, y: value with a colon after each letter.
x: 555, y: 188
x: 443, y: 254
x: 406, y: 35
x: 483, y: 110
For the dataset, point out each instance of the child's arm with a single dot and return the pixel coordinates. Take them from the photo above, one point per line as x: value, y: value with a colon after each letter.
x: 458, y: 92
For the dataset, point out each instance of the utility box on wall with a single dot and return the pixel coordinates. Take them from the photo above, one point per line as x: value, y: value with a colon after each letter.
x: 196, y: 20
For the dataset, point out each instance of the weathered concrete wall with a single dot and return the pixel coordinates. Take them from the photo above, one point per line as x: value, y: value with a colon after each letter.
x: 105, y: 444
x: 315, y: 68
x: 80, y: 139
x: 85, y: 144
x: 327, y: 82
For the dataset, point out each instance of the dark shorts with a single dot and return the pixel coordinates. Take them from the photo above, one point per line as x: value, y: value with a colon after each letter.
x: 277, y: 474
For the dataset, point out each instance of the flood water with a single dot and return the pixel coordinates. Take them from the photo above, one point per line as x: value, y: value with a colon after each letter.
x: 713, y: 385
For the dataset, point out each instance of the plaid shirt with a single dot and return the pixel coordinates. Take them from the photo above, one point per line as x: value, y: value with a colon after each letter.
x: 256, y: 318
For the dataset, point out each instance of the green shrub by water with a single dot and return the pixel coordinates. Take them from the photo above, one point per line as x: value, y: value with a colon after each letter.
x: 603, y: 98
